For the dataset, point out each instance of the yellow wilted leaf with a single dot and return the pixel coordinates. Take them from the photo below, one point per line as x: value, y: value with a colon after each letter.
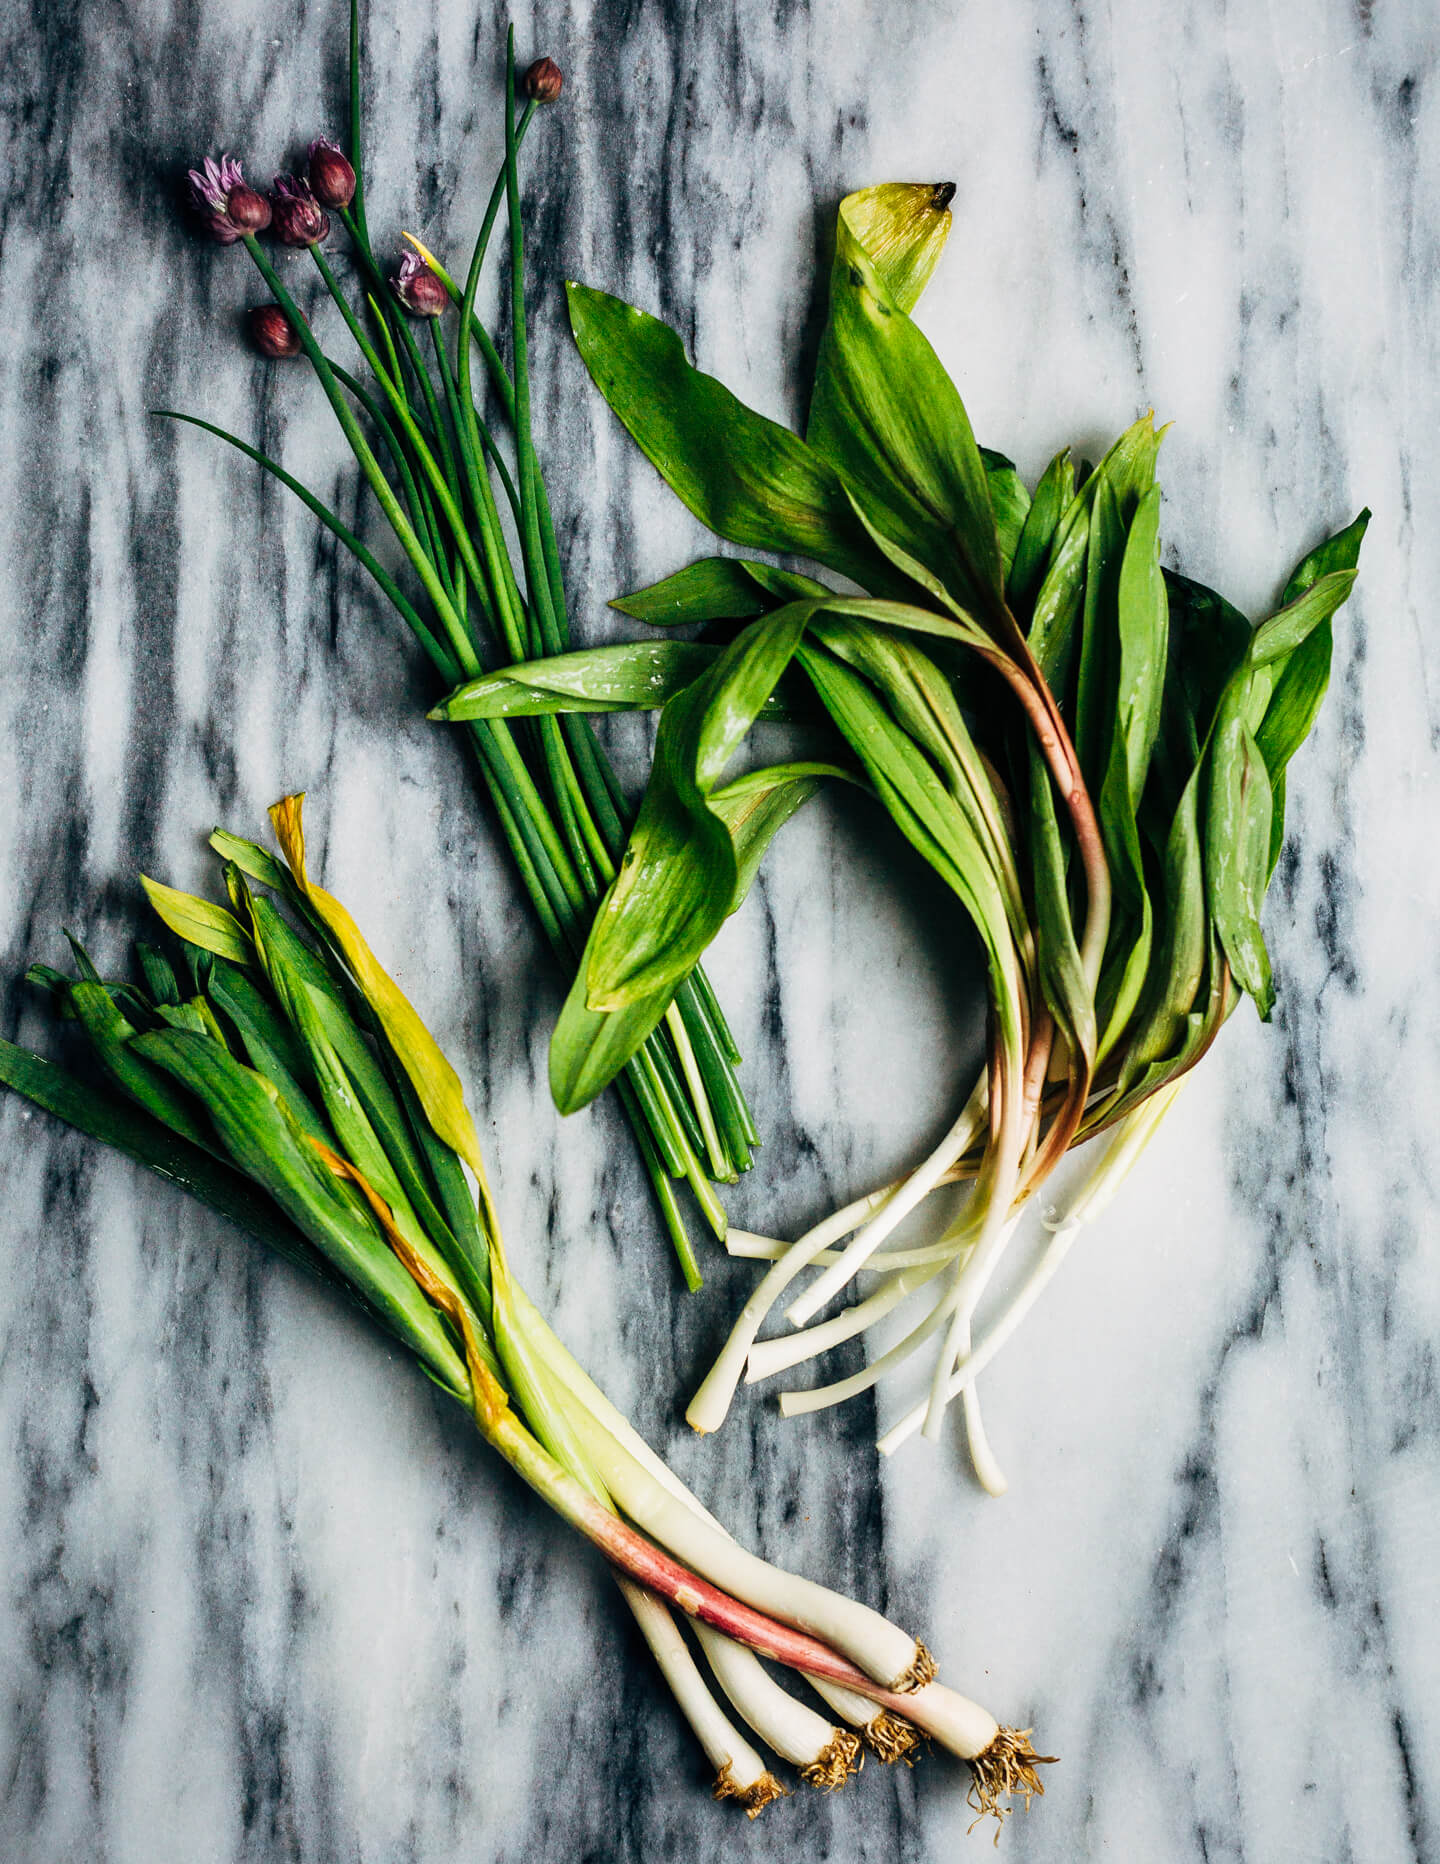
x: 432, y: 1077
x: 426, y: 254
x: 200, y: 922
x: 903, y: 226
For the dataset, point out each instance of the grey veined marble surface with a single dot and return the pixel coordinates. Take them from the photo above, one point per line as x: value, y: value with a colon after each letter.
x: 262, y: 1595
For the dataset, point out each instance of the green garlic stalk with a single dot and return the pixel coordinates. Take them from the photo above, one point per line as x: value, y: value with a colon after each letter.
x: 277, y: 1072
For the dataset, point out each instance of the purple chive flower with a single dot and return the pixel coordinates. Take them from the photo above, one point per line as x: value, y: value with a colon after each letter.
x: 298, y: 218
x: 543, y: 81
x: 332, y: 179
x: 418, y: 289
x: 226, y: 204
x: 272, y: 332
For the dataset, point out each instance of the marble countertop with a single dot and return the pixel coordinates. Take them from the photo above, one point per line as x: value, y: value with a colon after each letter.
x: 263, y: 1596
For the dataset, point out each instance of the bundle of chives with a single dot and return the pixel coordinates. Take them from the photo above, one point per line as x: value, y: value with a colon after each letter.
x: 280, y: 1075
x: 433, y: 463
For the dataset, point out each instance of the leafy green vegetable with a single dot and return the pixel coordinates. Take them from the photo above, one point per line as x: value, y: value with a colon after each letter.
x: 331, y: 1191
x: 751, y: 480
x: 716, y: 589
x: 1006, y: 642
x: 659, y: 909
x: 887, y: 417
x: 634, y: 676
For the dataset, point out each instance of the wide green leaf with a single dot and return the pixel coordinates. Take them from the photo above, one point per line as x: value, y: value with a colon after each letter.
x: 159, y: 973
x: 1062, y: 974
x: 589, y: 1047
x: 922, y: 700
x: 1037, y: 535
x: 268, y: 1042
x: 891, y: 422
x: 678, y: 877
x: 113, y: 1039
x: 1209, y: 640
x: 903, y: 226
x: 1096, y: 673
x: 630, y: 676
x: 1280, y: 634
x: 149, y: 1143
x: 385, y: 1159
x: 755, y: 807
x: 1340, y: 552
x: 254, y: 861
x: 1181, y: 941
x: 435, y: 1081
x: 1301, y: 680
x: 751, y: 480
x: 200, y: 922
x: 717, y: 589
x: 1009, y: 500
x: 266, y: 1144
x: 1128, y: 470
x: 1143, y: 640
x: 1237, y: 847
x: 906, y: 782
x: 327, y: 1048
x: 1121, y: 682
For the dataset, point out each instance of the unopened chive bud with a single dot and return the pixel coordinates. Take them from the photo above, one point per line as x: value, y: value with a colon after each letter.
x: 418, y: 289
x: 226, y: 205
x: 544, y: 81
x: 272, y: 332
x: 298, y: 218
x: 332, y: 179
x: 249, y: 210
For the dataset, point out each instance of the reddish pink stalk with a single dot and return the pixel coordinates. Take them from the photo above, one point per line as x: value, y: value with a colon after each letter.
x: 650, y: 1566
x: 1037, y: 702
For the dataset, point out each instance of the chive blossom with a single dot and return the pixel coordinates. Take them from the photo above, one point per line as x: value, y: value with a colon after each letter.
x: 225, y: 203
x: 418, y: 289
x: 299, y: 219
x: 332, y: 179
x: 272, y: 332
x: 544, y: 81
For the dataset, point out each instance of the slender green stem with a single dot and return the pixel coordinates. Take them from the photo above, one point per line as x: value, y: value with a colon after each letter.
x: 439, y: 484
x: 663, y: 1186
x: 440, y: 657
x: 504, y: 593
x: 534, y: 806
x: 397, y: 454
x: 569, y: 803
x: 720, y: 1165
x: 454, y: 628
x: 537, y: 579
x: 380, y: 289
x: 705, y: 1193
x: 369, y: 465
x: 499, y: 375
x: 468, y: 319
x: 452, y: 574
x: 548, y: 893
x: 382, y: 324
x: 357, y: 153
x: 705, y: 991
x: 497, y: 460
x: 660, y: 1061
x: 739, y: 1127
